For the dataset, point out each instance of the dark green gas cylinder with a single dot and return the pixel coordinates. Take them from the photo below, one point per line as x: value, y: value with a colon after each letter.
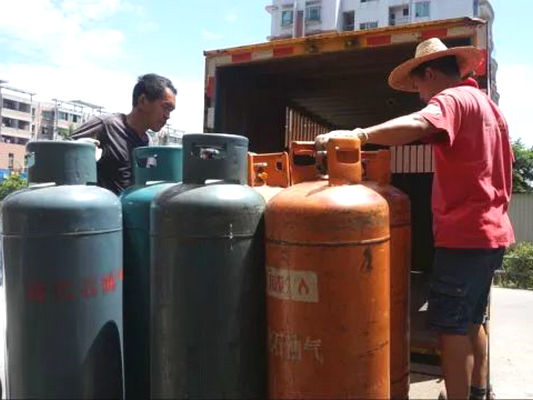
x: 62, y: 244
x: 155, y: 168
x: 208, y: 291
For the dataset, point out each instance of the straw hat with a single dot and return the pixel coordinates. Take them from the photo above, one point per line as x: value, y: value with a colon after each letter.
x: 468, y: 58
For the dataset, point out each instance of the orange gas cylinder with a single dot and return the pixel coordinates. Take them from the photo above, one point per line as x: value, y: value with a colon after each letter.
x: 376, y: 165
x: 302, y: 162
x: 327, y: 265
x: 268, y: 173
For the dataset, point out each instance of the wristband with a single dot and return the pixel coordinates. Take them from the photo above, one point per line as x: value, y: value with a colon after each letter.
x: 362, y: 135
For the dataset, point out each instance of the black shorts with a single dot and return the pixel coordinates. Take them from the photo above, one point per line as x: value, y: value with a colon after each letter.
x: 460, y: 287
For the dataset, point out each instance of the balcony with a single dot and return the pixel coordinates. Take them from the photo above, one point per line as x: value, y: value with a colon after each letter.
x: 399, y: 21
x: 61, y: 123
x: 15, y: 114
x: 16, y: 133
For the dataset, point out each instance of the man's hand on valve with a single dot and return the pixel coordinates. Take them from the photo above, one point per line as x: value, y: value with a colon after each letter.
x: 322, y: 140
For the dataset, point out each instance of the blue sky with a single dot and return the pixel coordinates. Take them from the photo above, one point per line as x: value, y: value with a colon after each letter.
x: 94, y: 49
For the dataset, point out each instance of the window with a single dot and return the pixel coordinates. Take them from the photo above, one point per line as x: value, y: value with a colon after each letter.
x: 49, y: 115
x: 312, y: 11
x: 348, y: 19
x: 63, y: 116
x: 287, y: 17
x: 368, y: 25
x: 24, y: 107
x: 422, y: 9
x: 24, y: 125
x: 367, y: 1
x: 75, y: 118
x: 8, y: 123
x: 10, y: 160
x: 405, y: 12
x: 10, y: 104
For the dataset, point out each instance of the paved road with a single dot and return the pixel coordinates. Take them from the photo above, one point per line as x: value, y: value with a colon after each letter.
x: 511, y: 349
x: 512, y: 343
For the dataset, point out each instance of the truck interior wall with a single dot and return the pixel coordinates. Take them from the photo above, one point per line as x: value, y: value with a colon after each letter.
x: 247, y: 107
x: 343, y: 90
x: 418, y: 188
x: 340, y: 90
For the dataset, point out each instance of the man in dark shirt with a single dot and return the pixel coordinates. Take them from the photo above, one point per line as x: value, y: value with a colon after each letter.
x: 154, y: 98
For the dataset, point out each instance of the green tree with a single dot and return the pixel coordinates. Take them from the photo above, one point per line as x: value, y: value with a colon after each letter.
x: 522, y: 168
x: 517, y: 267
x: 13, y: 183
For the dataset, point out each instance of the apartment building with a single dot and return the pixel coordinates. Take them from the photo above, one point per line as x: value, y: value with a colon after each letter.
x: 167, y: 136
x: 24, y: 119
x: 57, y: 119
x: 11, y: 159
x: 296, y: 18
x: 15, y: 115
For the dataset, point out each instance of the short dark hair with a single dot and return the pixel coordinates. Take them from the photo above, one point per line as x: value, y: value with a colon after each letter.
x: 447, y: 65
x: 152, y: 86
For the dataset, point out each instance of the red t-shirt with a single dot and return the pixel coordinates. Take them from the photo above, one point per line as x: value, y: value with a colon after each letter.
x: 473, y: 170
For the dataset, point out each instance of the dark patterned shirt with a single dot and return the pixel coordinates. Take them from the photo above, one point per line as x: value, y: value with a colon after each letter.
x: 117, y: 141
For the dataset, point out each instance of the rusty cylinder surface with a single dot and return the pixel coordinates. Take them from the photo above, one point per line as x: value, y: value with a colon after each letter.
x: 378, y: 175
x: 268, y: 173
x: 400, y: 262
x: 327, y: 261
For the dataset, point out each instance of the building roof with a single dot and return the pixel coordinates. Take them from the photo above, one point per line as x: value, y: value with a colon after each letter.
x: 85, y: 104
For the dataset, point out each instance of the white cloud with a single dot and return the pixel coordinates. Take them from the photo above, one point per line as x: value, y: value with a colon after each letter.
x: 61, y: 32
x: 148, y: 27
x: 231, y: 17
x: 211, y: 35
x: 189, y: 112
x: 90, y: 9
x: 73, y: 58
x: 105, y: 87
x: 515, y: 87
x: 73, y: 55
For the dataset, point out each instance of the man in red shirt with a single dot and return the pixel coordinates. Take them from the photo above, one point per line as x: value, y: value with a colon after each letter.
x: 471, y: 194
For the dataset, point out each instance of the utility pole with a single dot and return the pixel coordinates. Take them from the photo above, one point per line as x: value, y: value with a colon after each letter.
x: 1, y: 105
x: 33, y: 125
x: 56, y: 109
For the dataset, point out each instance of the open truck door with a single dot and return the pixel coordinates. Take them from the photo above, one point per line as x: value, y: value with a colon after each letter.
x: 295, y: 89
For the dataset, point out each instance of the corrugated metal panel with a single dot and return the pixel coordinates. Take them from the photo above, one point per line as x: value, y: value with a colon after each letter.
x: 521, y: 214
x: 301, y: 127
x: 414, y: 159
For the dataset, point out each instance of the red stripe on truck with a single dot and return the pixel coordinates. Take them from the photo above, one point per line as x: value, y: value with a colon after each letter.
x: 434, y: 33
x: 283, y: 51
x: 482, y: 69
x: 210, y: 88
x: 241, y: 57
x: 378, y: 40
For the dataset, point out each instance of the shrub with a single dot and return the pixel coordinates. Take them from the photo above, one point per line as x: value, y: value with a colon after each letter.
x: 13, y: 183
x: 517, y: 267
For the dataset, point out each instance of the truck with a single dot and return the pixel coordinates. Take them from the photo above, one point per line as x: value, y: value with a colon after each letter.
x: 294, y: 89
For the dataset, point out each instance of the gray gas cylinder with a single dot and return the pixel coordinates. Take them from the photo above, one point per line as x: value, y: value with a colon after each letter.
x: 62, y: 243
x: 208, y: 293
x: 155, y: 168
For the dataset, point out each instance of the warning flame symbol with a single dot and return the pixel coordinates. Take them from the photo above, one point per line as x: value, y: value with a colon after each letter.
x: 303, y: 289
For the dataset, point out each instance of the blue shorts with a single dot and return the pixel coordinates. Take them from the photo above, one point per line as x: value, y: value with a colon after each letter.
x: 460, y: 287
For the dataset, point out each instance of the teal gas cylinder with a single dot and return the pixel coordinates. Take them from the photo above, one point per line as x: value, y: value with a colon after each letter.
x: 208, y: 293
x: 62, y: 244
x: 155, y: 168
